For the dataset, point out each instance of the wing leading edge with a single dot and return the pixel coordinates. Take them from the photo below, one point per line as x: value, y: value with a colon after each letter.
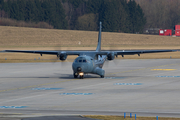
x: 103, y: 52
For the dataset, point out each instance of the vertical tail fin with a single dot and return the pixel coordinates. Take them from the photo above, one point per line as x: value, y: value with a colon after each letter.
x: 99, y: 38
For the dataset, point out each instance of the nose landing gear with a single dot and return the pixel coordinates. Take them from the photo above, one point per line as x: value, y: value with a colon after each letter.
x: 81, y: 75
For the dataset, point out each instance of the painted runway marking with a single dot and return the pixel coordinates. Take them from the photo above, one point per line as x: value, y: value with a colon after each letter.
x: 164, y: 69
x: 46, y: 88
x: 114, y: 77
x: 142, y: 69
x: 13, y: 106
x: 76, y: 93
x: 34, y: 86
x: 169, y: 76
x: 128, y: 84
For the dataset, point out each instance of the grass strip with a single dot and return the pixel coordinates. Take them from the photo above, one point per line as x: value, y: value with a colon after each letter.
x: 106, y: 117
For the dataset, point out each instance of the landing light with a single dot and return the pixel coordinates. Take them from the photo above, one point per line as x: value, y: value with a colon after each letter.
x: 81, y: 74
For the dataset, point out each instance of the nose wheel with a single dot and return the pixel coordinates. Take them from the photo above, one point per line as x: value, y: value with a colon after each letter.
x: 81, y: 76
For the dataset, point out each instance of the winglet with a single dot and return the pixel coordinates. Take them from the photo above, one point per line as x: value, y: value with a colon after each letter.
x: 99, y: 38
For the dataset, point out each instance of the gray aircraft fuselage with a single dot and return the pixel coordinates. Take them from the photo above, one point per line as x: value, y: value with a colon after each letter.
x: 86, y: 64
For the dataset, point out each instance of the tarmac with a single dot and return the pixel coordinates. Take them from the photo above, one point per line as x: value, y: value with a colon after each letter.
x: 145, y: 87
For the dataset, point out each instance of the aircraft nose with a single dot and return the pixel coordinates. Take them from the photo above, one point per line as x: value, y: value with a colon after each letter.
x: 79, y: 69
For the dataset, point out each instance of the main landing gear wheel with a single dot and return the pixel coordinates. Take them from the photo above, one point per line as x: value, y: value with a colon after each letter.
x: 102, y: 76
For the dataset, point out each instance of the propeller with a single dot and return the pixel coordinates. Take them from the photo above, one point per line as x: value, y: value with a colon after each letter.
x: 57, y: 58
x: 114, y: 61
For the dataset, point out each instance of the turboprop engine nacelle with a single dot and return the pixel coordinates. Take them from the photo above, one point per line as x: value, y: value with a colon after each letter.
x: 110, y: 56
x: 63, y: 56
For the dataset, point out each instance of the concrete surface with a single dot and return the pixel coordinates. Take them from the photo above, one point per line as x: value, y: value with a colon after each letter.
x: 143, y: 87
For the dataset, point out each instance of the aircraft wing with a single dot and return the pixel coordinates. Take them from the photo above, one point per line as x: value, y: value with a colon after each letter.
x: 132, y: 52
x: 67, y: 52
x: 37, y: 52
x: 110, y: 54
x: 81, y: 52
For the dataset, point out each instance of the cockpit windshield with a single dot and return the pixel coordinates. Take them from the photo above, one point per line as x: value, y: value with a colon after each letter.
x: 80, y: 60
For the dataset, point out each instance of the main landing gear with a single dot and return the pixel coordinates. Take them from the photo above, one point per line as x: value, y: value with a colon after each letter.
x: 102, y: 76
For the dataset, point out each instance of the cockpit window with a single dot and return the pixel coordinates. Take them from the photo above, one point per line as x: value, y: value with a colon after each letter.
x: 84, y: 60
x: 80, y: 60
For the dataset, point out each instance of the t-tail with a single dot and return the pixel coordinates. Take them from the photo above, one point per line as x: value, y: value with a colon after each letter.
x: 99, y: 38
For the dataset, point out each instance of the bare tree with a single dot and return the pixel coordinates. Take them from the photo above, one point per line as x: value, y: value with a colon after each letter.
x: 161, y: 13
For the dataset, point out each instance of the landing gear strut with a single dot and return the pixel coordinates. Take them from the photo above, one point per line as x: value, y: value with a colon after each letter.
x: 102, y: 76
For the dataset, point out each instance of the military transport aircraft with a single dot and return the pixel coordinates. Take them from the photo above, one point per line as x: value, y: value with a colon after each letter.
x: 91, y: 61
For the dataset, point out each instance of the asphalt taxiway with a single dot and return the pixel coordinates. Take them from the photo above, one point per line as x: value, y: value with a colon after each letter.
x: 145, y: 87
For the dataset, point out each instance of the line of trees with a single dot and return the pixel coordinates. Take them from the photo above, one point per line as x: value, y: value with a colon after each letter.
x: 50, y: 11
x: 116, y: 15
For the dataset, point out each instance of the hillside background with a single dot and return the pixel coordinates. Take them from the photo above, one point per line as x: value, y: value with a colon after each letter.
x: 126, y: 16
x: 161, y: 13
